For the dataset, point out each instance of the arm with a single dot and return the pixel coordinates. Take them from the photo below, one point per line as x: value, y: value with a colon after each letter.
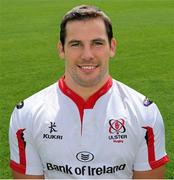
x: 151, y: 156
x: 157, y: 173
x: 17, y: 175
x: 24, y: 157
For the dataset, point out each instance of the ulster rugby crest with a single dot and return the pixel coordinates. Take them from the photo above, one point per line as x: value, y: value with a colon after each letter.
x: 117, y: 130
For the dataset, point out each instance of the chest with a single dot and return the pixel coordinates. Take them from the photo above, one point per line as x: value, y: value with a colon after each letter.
x: 105, y: 134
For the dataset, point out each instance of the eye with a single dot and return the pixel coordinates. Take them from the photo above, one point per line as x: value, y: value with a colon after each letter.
x: 75, y: 44
x: 98, y: 43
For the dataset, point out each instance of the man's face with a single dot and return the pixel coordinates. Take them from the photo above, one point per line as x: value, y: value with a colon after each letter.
x: 86, y: 52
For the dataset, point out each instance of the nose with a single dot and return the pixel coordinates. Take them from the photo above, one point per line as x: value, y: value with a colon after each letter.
x: 87, y: 53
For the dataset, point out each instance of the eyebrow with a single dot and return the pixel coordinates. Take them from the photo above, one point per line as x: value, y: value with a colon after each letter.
x: 93, y: 40
x: 99, y: 39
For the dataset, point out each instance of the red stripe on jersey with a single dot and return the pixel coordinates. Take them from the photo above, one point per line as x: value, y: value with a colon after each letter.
x: 17, y: 167
x: 21, y: 166
x: 159, y: 162
x: 151, y: 150
x: 79, y: 101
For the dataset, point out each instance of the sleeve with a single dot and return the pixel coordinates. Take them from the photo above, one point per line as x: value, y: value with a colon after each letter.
x: 151, y: 153
x: 23, y: 155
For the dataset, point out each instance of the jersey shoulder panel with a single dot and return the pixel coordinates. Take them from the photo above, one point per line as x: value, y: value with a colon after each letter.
x: 43, y: 96
x: 27, y: 108
x: 142, y: 105
x: 128, y: 92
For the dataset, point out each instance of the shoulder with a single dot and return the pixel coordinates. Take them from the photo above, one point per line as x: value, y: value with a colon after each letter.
x: 33, y: 104
x: 131, y: 94
x: 137, y: 102
x: 39, y: 98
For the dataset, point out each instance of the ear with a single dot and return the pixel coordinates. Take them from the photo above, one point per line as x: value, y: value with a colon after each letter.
x: 60, y: 49
x: 113, y: 47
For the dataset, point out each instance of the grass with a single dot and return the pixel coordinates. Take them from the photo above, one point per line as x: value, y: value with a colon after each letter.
x: 29, y: 62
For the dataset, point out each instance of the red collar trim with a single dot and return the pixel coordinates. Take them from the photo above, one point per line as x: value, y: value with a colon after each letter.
x: 79, y: 101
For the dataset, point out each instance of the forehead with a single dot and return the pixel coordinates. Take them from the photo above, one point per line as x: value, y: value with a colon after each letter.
x: 86, y: 29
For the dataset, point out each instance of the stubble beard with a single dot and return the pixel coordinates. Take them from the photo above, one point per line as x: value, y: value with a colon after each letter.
x: 87, y: 83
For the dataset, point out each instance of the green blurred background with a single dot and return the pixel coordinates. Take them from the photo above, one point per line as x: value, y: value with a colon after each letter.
x: 29, y: 31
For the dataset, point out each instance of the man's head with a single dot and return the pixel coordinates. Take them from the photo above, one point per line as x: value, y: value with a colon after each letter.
x: 81, y: 13
x: 86, y: 44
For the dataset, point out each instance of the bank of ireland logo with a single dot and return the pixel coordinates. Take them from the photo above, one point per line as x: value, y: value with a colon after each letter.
x: 117, y: 130
x: 85, y: 156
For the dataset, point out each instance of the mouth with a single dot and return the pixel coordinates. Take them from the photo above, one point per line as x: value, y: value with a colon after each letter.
x: 88, y: 68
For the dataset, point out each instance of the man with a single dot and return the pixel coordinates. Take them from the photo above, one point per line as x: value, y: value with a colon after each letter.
x: 87, y: 125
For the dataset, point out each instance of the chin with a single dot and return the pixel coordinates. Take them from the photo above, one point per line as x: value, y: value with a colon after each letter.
x: 89, y: 83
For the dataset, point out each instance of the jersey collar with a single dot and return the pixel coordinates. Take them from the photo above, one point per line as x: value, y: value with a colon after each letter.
x: 78, y: 100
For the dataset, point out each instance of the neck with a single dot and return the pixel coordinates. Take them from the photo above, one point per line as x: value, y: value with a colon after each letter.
x: 85, y: 92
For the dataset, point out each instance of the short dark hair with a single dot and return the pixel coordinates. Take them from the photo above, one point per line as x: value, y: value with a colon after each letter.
x: 84, y: 12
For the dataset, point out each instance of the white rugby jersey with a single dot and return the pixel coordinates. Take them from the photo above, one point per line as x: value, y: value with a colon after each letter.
x: 56, y: 133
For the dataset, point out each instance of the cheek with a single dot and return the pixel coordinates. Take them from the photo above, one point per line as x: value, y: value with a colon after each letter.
x: 103, y: 57
x: 72, y: 56
x: 70, y: 61
x: 103, y: 52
